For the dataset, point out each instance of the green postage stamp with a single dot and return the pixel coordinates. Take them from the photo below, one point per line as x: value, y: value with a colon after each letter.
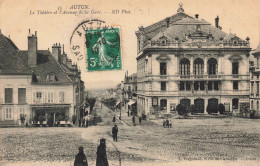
x: 103, y: 49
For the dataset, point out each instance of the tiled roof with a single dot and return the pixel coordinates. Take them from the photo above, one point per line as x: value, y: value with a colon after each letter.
x: 154, y: 29
x: 10, y: 61
x: 180, y: 31
x: 46, y: 64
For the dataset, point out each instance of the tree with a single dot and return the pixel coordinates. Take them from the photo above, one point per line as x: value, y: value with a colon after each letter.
x: 212, y: 108
x: 181, y: 109
x: 192, y: 109
x: 221, y: 108
x: 91, y: 102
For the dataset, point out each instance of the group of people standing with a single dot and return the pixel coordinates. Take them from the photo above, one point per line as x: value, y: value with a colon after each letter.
x: 85, y: 122
x: 81, y: 159
x: 167, y: 123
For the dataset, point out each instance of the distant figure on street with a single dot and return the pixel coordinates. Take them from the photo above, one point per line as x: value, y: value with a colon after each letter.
x: 94, y: 121
x: 164, y: 123
x: 79, y: 122
x: 167, y: 123
x: 87, y: 122
x: 102, y: 154
x: 170, y: 123
x: 140, y: 120
x: 83, y: 122
x: 133, y: 119
x: 80, y: 158
x: 114, y: 119
x: 114, y: 132
x: 128, y: 113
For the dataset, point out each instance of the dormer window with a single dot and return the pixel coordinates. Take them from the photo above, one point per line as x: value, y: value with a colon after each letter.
x: 163, y: 42
x: 51, y: 77
x: 235, y: 42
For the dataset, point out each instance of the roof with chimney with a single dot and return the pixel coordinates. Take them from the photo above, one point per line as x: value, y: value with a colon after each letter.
x: 182, y: 27
x: 46, y: 65
x: 10, y: 61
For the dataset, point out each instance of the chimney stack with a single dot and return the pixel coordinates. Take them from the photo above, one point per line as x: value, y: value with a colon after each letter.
x: 217, y: 22
x: 56, y: 52
x: 167, y: 22
x: 197, y: 16
x: 32, y: 49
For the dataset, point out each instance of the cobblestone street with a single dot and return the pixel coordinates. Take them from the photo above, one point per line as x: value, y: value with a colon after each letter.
x: 146, y: 144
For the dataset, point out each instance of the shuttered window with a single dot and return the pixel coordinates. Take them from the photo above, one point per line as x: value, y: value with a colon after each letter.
x: 8, y: 95
x: 21, y: 95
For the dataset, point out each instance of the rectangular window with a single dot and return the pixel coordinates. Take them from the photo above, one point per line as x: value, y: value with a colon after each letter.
x: 182, y: 85
x: 257, y: 62
x: 21, y: 95
x: 257, y: 88
x: 50, y: 97
x: 8, y: 113
x: 196, y: 85
x: 22, y: 110
x: 216, y: 85
x: 163, y: 68
x: 163, y: 85
x: 8, y: 95
x: 210, y: 85
x: 252, y: 88
x: 235, y: 85
x: 62, y: 96
x: 235, y: 103
x: 235, y: 68
x: 202, y: 85
x: 187, y: 85
x: 38, y: 97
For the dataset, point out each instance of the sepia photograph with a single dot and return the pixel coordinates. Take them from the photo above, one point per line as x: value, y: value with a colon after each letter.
x: 129, y: 83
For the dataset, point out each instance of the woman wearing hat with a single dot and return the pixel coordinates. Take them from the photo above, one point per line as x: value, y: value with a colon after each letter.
x: 102, y: 154
x: 80, y: 158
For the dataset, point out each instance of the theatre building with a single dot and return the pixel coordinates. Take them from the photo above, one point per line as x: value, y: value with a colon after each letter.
x: 254, y: 82
x: 186, y: 60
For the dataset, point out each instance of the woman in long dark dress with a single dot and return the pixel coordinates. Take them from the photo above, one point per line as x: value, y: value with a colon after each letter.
x: 102, y: 154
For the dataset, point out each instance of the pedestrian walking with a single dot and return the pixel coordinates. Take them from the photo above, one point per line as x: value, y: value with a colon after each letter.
x: 94, y: 121
x: 102, y: 154
x: 114, y: 119
x: 79, y: 122
x: 128, y: 113
x: 80, y: 158
x: 83, y: 122
x: 114, y: 133
x: 133, y: 119
x: 140, y: 120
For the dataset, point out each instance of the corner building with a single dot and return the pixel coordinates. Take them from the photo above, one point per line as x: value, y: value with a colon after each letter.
x: 186, y: 60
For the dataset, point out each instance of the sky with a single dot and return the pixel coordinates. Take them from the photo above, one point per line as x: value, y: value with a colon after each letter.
x: 241, y: 17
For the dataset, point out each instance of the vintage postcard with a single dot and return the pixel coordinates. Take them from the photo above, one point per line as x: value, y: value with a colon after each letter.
x: 129, y: 83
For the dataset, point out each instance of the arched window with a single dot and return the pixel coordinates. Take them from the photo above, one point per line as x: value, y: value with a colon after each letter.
x: 212, y: 66
x: 184, y: 67
x: 198, y: 66
x: 252, y: 104
x: 257, y: 105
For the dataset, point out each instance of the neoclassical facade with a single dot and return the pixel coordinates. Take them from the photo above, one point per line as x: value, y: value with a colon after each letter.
x: 254, y: 82
x: 185, y: 60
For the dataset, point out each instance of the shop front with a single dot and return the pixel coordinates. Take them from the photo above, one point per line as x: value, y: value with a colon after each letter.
x: 50, y: 115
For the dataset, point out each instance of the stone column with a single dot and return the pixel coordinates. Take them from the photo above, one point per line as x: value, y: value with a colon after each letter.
x: 205, y: 105
x: 191, y: 64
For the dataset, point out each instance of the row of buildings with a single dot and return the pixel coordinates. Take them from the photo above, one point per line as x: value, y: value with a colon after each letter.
x: 186, y: 60
x: 37, y: 83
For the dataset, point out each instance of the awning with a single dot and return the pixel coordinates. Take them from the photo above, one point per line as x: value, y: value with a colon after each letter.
x: 131, y: 102
x: 50, y: 106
